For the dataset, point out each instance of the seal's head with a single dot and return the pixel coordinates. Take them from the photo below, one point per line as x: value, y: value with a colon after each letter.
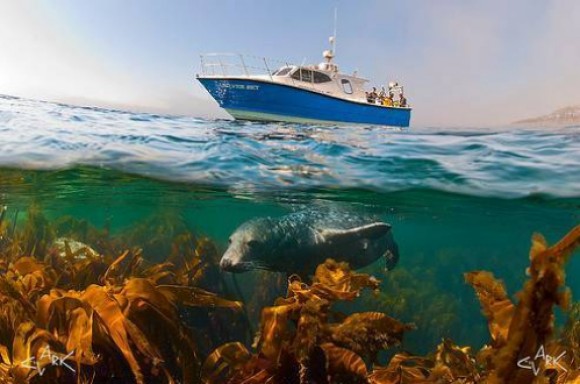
x: 247, y: 246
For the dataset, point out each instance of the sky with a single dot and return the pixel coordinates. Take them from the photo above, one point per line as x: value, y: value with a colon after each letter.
x: 462, y: 62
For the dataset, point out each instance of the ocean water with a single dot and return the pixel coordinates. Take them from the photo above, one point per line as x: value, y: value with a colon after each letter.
x: 458, y: 199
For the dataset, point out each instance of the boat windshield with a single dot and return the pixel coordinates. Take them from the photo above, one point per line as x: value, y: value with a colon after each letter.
x: 282, y: 71
x: 309, y: 76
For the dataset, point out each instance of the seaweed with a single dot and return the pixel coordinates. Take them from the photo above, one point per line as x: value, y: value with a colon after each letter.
x: 527, y: 329
x: 298, y: 342
x: 79, y: 295
x: 569, y: 336
x: 414, y: 295
x: 71, y: 314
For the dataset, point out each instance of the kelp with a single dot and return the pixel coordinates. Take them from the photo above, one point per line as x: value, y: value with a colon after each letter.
x: 69, y: 313
x: 531, y: 327
x: 569, y: 337
x: 495, y: 303
x: 404, y: 290
x: 76, y: 294
x: 299, y: 343
x: 522, y: 334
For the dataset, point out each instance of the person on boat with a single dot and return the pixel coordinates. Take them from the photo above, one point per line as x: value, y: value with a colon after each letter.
x: 388, y: 101
x: 369, y: 97
x: 402, y: 100
x: 374, y: 95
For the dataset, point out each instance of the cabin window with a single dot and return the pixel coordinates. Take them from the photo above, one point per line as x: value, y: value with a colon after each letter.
x: 282, y: 71
x: 303, y: 75
x: 346, y: 86
x: 320, y: 77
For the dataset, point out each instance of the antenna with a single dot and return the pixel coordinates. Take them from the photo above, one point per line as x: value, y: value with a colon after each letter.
x: 334, y: 34
x: 329, y: 54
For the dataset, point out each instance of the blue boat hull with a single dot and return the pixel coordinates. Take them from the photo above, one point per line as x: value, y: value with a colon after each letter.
x: 249, y: 99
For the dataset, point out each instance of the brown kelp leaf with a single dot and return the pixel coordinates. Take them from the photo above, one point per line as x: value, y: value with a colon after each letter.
x: 80, y: 336
x: 308, y: 328
x: 26, y: 265
x: 9, y: 289
x: 275, y: 330
x: 206, y: 251
x: 368, y: 333
x: 297, y: 292
x: 123, y: 265
x: 565, y: 369
x: 29, y: 348
x: 148, y: 316
x: 343, y: 362
x: 53, y: 307
x: 5, y: 355
x: 137, y: 288
x: 570, y: 334
x: 564, y: 248
x: 533, y: 319
x: 495, y: 304
x: 403, y: 369
x: 112, y: 318
x: 142, y: 343
x: 454, y: 364
x: 223, y: 361
x: 195, y: 297
x: 336, y: 281
x: 34, y: 283
x: 66, y: 316
x: 161, y: 273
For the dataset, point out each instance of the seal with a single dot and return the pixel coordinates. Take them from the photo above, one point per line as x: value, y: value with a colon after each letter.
x: 300, y: 241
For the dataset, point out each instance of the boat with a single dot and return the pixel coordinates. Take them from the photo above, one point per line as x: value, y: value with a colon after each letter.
x: 319, y: 93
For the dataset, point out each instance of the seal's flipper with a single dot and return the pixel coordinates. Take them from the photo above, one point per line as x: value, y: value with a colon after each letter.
x: 368, y: 231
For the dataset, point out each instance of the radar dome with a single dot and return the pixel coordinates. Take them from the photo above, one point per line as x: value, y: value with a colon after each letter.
x: 328, y: 54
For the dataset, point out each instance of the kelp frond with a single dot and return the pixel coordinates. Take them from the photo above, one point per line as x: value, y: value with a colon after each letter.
x: 298, y: 343
x: 98, y: 315
x: 496, y: 306
x: 528, y: 328
x: 297, y: 340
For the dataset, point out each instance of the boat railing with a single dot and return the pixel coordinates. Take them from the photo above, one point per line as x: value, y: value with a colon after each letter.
x: 233, y: 64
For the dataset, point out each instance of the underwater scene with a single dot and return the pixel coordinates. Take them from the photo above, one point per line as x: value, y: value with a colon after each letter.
x: 143, y: 248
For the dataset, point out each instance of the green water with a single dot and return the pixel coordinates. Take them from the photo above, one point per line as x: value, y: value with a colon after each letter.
x: 440, y: 236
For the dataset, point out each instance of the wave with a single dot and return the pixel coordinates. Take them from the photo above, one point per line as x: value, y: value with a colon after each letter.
x: 499, y: 162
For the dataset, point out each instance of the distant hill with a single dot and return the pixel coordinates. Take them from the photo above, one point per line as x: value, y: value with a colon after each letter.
x: 560, y: 118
